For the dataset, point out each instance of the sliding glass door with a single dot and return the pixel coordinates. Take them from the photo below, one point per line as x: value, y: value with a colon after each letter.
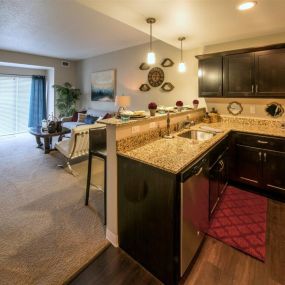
x: 14, y: 104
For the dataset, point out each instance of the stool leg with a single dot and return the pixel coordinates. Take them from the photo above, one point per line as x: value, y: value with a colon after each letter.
x: 105, y: 190
x: 88, y: 179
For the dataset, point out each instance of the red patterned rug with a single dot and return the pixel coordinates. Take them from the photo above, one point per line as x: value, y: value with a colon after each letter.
x: 240, y: 221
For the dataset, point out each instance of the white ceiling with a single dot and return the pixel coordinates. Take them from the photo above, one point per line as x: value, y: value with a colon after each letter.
x: 76, y: 29
x: 203, y: 22
x: 62, y: 28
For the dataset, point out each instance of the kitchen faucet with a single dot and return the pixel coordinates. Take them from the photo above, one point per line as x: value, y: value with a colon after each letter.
x: 168, y: 135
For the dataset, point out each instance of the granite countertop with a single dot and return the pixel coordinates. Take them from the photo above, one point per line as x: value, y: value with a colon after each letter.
x: 175, y: 154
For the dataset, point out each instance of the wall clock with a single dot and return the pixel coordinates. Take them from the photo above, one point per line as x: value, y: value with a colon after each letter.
x: 155, y: 76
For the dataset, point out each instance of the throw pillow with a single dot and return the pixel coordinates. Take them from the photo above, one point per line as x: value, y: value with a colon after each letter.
x: 75, y: 115
x: 90, y: 119
x: 107, y: 116
x: 81, y: 117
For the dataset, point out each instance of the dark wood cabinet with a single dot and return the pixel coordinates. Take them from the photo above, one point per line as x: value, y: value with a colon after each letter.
x: 270, y: 73
x: 248, y: 164
x: 274, y: 170
x: 210, y: 77
x: 259, y: 161
x: 218, y: 179
x: 255, y: 72
x: 238, y: 75
x: 149, y: 216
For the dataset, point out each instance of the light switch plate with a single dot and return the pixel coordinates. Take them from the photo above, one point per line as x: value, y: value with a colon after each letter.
x: 152, y: 125
x: 135, y: 129
x: 252, y: 109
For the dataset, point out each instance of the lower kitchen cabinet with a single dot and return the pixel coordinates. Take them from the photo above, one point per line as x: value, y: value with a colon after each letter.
x: 248, y: 164
x: 149, y: 217
x: 274, y: 170
x: 218, y: 179
x: 259, y: 161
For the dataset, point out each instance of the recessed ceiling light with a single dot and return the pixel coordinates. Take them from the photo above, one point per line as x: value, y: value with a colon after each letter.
x: 247, y: 5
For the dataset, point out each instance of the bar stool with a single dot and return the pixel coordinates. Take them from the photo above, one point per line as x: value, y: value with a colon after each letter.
x: 98, y: 148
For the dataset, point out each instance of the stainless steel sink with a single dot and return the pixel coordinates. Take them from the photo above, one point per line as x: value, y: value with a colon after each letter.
x: 197, y: 135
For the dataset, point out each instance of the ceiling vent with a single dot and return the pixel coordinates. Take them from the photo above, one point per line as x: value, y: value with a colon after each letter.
x: 65, y: 63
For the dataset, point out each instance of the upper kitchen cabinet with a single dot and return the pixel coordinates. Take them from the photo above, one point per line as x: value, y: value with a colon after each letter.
x: 270, y: 73
x: 210, y: 77
x: 253, y: 72
x: 238, y: 75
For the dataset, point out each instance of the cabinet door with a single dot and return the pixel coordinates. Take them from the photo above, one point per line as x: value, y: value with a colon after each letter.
x: 274, y: 170
x: 210, y: 77
x: 249, y: 164
x: 239, y: 75
x: 213, y: 187
x: 270, y: 73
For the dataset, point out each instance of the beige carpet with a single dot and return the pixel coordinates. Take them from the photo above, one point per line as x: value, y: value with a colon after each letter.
x: 46, y: 232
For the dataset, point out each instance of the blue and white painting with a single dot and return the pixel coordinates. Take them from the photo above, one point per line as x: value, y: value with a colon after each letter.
x: 103, y: 86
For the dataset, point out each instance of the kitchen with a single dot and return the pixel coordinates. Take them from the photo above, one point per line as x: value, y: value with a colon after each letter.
x: 178, y: 183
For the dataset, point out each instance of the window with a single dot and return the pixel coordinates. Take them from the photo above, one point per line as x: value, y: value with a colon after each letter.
x: 14, y: 104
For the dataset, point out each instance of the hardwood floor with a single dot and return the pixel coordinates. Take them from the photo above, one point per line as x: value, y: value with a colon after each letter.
x: 217, y: 264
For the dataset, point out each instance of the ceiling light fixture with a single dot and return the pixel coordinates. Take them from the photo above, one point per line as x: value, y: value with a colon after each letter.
x: 247, y: 5
x: 181, y: 66
x: 150, y: 54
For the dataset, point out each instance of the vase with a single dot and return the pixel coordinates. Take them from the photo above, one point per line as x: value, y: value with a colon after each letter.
x: 195, y: 106
x: 179, y: 108
x: 152, y: 112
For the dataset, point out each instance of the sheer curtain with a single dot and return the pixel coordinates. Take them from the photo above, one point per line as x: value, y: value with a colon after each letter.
x: 14, y: 103
x: 37, y: 110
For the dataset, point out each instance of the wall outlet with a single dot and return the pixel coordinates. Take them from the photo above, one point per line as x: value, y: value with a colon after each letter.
x: 135, y: 129
x: 252, y: 109
x: 152, y: 125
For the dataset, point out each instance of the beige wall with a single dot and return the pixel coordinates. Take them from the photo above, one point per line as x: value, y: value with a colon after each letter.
x: 248, y: 104
x: 61, y: 75
x: 130, y: 77
x: 51, y: 67
x: 21, y: 71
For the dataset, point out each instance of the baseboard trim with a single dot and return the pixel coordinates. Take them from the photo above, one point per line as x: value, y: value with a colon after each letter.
x: 112, y: 238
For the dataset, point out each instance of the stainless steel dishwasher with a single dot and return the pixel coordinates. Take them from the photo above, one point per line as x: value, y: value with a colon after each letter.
x: 194, y: 211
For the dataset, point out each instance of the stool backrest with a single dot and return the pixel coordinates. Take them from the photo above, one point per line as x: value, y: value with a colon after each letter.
x: 97, y: 139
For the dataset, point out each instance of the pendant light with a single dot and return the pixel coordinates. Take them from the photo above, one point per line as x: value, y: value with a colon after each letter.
x: 150, y: 54
x: 181, y: 66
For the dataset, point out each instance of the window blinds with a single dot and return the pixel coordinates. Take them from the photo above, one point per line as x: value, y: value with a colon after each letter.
x: 14, y: 104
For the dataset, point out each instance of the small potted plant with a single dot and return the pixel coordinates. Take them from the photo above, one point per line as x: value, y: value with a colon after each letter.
x: 195, y: 103
x: 152, y: 108
x: 179, y: 105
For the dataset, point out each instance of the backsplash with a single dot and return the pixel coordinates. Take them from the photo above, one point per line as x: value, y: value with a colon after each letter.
x: 251, y: 107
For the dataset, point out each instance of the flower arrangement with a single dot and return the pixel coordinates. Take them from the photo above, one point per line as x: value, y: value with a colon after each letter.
x: 179, y: 104
x: 152, y: 106
x: 195, y: 103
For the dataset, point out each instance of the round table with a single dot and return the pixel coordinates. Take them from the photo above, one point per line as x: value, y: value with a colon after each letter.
x: 47, y: 137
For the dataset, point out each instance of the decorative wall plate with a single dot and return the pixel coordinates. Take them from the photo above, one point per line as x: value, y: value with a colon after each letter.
x: 144, y: 88
x: 155, y: 76
x: 167, y: 87
x: 144, y: 66
x: 235, y: 108
x: 274, y: 109
x: 167, y: 62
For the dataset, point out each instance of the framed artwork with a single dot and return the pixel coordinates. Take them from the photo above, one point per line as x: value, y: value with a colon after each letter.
x: 103, y: 85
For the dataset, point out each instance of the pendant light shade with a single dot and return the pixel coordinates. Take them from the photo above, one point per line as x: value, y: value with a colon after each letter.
x: 181, y: 66
x: 150, y: 55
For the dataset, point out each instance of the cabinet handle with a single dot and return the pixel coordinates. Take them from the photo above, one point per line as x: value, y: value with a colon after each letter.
x: 265, y: 157
x: 262, y: 142
x: 252, y: 88
x: 260, y: 154
x: 256, y: 88
x: 222, y: 166
x: 199, y: 171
